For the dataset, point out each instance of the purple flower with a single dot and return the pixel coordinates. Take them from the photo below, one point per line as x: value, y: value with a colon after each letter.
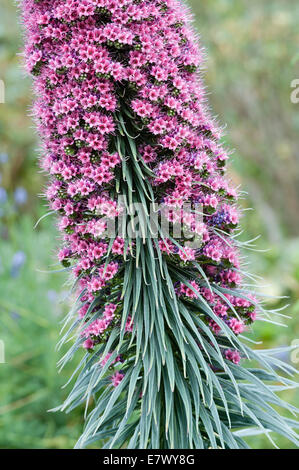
x: 18, y: 261
x: 3, y: 157
x: 3, y: 196
x: 20, y: 196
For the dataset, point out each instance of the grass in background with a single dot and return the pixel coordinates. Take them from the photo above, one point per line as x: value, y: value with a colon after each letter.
x: 30, y: 312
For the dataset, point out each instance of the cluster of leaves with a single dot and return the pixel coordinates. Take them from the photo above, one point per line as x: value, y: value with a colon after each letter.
x: 177, y: 390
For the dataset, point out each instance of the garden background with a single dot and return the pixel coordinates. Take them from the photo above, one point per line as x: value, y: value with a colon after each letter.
x: 252, y: 59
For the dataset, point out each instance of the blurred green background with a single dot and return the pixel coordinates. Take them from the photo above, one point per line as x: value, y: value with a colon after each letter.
x: 251, y: 62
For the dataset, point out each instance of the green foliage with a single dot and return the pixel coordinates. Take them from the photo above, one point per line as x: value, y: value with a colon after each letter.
x: 250, y: 66
x: 30, y: 311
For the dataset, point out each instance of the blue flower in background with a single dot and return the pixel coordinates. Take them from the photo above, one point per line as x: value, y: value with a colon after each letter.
x: 3, y: 196
x: 52, y: 296
x: 3, y: 157
x: 20, y: 196
x: 15, y: 316
x: 18, y: 261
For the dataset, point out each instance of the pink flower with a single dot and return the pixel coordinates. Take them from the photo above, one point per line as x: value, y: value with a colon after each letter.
x: 237, y: 326
x: 187, y: 254
x: 88, y: 344
x: 117, y: 378
x: 109, y: 311
x: 106, y: 358
x: 118, y: 246
x: 232, y: 355
x: 129, y: 325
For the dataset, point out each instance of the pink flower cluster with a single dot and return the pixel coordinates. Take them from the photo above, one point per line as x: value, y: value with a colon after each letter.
x: 89, y: 56
x: 107, y: 357
x: 117, y: 378
x: 232, y: 355
x: 100, y: 325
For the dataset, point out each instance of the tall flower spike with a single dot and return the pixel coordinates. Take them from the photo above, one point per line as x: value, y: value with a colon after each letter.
x: 121, y: 110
